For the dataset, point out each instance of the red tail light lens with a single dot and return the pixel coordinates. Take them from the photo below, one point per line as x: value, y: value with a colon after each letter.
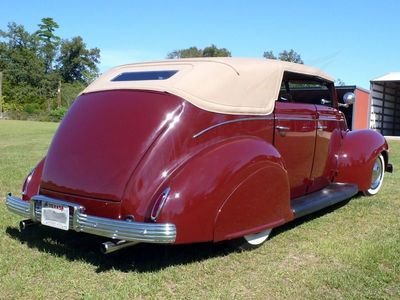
x: 158, y: 205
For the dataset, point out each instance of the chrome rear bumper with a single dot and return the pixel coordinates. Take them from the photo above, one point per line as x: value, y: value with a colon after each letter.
x: 81, y: 222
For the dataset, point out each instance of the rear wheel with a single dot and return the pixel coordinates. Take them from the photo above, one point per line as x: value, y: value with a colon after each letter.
x: 251, y: 241
x: 378, y: 172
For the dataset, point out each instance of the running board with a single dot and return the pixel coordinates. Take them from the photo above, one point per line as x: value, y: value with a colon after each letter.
x: 332, y: 194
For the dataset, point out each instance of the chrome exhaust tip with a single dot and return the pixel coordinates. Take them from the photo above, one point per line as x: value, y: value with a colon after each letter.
x: 23, y: 225
x: 112, y: 246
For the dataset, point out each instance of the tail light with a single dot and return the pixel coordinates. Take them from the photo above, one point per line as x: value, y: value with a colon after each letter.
x: 158, y: 205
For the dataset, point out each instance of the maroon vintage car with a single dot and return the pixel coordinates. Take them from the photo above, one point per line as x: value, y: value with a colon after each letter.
x: 195, y: 150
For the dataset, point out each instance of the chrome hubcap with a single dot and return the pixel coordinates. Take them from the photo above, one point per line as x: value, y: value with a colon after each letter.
x: 376, y: 173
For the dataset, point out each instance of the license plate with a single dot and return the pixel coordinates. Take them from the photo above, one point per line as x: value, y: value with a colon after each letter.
x: 56, y: 216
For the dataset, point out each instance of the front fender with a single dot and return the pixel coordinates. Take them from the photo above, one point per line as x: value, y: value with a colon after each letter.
x: 356, y: 158
x: 232, y: 169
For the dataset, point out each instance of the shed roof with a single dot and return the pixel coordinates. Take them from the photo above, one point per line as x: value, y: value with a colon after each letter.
x: 223, y: 85
x: 393, y: 76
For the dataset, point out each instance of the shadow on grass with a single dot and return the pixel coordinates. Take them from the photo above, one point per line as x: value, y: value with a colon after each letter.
x: 139, y: 258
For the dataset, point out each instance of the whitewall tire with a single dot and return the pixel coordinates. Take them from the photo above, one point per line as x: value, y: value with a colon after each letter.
x: 251, y: 241
x: 378, y: 173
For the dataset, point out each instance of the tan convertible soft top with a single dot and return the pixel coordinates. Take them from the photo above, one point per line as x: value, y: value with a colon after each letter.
x: 224, y: 85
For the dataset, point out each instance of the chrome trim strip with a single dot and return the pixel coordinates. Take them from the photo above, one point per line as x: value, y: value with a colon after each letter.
x: 328, y: 119
x: 295, y: 119
x: 306, y: 119
x: 164, y: 195
x: 164, y: 233
x: 230, y: 122
x: 261, y: 118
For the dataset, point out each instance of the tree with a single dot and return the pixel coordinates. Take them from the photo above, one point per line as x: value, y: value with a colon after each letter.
x: 76, y: 62
x: 210, y: 51
x: 16, y: 37
x: 34, y: 67
x: 213, y: 51
x: 290, y: 56
x: 23, y: 69
x: 269, y: 55
x: 49, y: 41
x: 339, y: 82
x: 185, y: 53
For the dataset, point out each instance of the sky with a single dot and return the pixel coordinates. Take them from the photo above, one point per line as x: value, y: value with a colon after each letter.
x: 355, y: 41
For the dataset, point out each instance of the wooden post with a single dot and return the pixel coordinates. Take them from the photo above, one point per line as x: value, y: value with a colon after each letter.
x: 1, y: 95
x: 59, y: 94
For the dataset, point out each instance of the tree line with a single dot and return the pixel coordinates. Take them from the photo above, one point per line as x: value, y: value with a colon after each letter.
x: 41, y: 72
x: 214, y: 51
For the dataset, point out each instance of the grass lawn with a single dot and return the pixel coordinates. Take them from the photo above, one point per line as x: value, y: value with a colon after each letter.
x: 351, y: 251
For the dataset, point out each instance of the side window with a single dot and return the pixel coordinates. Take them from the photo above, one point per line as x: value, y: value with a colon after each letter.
x: 300, y: 88
x: 284, y: 93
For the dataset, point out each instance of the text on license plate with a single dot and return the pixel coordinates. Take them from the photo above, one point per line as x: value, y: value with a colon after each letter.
x: 56, y: 216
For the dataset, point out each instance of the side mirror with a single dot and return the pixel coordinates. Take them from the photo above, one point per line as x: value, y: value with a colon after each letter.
x: 349, y: 98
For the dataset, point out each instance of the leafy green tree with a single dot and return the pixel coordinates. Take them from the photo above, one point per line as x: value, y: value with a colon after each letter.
x: 35, y: 65
x: 269, y: 55
x: 69, y: 92
x: 291, y: 56
x: 339, y: 82
x: 17, y: 37
x: 23, y: 68
x: 214, y: 51
x: 285, y: 55
x: 210, y: 51
x: 185, y: 53
x: 49, y: 42
x: 76, y: 62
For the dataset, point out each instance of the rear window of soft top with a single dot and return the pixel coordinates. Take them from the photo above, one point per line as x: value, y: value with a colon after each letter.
x: 145, y: 75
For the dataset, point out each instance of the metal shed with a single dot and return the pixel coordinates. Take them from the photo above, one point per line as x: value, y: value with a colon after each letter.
x: 385, y: 104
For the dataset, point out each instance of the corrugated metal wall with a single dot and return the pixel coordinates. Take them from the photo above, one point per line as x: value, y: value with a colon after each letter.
x: 385, y: 107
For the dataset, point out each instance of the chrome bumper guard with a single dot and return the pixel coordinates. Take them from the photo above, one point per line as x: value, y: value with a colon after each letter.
x: 81, y: 222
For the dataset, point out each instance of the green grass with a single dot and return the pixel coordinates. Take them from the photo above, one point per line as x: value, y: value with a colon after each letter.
x: 351, y: 251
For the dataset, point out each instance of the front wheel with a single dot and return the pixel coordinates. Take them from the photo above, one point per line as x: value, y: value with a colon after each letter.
x: 251, y: 241
x: 378, y: 172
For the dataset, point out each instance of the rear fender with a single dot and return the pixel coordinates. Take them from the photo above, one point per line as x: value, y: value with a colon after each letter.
x: 261, y: 201
x: 206, y: 191
x: 32, y: 181
x: 356, y: 158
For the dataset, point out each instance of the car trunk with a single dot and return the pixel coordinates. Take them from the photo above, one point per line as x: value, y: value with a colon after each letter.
x: 102, y: 139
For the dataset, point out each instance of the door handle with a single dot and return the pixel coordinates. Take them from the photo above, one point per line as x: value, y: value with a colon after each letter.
x: 282, y: 128
x: 322, y: 127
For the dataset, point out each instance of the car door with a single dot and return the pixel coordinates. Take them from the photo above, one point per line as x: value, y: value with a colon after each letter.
x: 295, y: 132
x: 327, y: 145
